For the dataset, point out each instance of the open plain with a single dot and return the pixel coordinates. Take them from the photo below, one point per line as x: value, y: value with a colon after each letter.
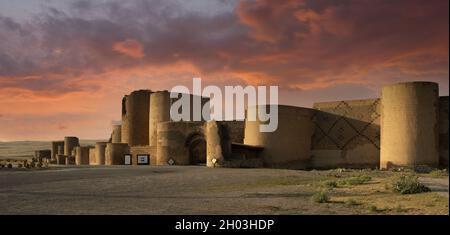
x: 202, y: 190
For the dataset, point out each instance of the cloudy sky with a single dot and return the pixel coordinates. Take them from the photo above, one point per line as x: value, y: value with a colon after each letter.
x: 65, y: 65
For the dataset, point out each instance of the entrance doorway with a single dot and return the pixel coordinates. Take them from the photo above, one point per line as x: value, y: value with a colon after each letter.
x: 196, y: 145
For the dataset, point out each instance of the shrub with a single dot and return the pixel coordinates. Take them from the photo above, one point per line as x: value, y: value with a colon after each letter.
x: 438, y: 173
x: 373, y: 208
x: 321, y: 197
x: 331, y: 184
x: 9, y: 165
x: 409, y: 184
x: 356, y: 180
x: 350, y: 202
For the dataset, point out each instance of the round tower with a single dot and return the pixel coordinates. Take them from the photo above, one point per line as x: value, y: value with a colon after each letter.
x: 290, y: 144
x: 159, y: 112
x: 70, y: 142
x: 82, y: 156
x: 100, y: 153
x: 137, y: 110
x: 409, y: 125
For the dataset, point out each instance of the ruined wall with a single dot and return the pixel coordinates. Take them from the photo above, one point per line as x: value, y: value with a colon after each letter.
x: 173, y: 141
x: 443, y: 131
x: 409, y: 125
x: 347, y: 134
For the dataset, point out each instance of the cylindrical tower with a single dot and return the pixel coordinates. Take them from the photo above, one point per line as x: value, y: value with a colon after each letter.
x: 218, y: 143
x: 82, y: 156
x: 137, y: 117
x: 100, y: 153
x: 70, y: 143
x: 115, y: 153
x: 116, y: 136
x: 159, y: 112
x: 55, y: 146
x: 409, y: 125
x: 171, y: 148
x: 290, y: 144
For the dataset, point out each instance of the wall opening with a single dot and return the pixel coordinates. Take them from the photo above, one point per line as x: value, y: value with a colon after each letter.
x: 196, y: 145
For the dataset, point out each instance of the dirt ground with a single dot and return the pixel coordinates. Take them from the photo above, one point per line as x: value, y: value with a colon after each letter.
x: 201, y: 190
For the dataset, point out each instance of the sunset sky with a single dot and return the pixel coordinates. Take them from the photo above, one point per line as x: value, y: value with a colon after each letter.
x: 65, y: 65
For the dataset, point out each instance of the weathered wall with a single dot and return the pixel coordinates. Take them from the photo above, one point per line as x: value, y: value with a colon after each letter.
x: 236, y: 130
x: 61, y: 159
x: 124, y: 128
x: 409, y: 125
x: 114, y: 153
x: 443, y: 131
x: 145, y: 150
x: 290, y: 145
x: 116, y: 135
x: 173, y: 141
x: 55, y: 146
x: 40, y: 155
x: 92, y: 157
x: 347, y: 134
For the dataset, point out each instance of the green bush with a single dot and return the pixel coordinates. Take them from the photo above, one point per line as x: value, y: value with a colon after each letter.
x: 356, y: 180
x: 438, y: 173
x: 331, y: 184
x: 321, y: 197
x: 409, y: 184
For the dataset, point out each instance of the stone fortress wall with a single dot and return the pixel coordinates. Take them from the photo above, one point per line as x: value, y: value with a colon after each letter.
x: 406, y: 126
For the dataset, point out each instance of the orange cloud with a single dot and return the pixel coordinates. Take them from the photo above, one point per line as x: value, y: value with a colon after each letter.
x: 55, y: 73
x: 130, y: 47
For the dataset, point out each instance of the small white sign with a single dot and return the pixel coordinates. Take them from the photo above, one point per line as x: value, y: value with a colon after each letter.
x: 127, y: 159
x: 142, y: 159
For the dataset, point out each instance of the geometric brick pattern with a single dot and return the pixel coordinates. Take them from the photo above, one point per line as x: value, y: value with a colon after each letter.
x: 341, y: 124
